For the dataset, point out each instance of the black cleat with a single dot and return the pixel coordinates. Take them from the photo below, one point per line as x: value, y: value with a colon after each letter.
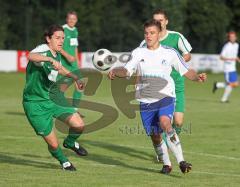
x: 214, y: 89
x: 185, y: 167
x: 68, y: 166
x: 77, y: 149
x: 166, y: 169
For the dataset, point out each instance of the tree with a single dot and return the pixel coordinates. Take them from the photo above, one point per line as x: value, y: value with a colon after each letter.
x: 206, y: 24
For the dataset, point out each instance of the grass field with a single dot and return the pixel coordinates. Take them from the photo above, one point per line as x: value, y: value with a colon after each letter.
x: 120, y: 154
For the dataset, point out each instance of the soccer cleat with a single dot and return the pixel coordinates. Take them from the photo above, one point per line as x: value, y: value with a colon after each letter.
x: 159, y: 159
x: 166, y: 169
x: 68, y: 166
x: 185, y: 167
x: 214, y: 89
x: 227, y: 101
x: 77, y: 149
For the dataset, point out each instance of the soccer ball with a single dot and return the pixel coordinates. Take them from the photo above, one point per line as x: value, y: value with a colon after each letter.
x: 103, y: 59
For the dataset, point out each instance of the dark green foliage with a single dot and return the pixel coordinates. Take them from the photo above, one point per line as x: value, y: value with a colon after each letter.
x: 117, y: 24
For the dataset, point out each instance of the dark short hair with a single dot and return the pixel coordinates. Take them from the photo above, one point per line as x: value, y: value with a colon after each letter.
x: 152, y: 22
x: 160, y: 11
x: 50, y: 31
x: 73, y: 13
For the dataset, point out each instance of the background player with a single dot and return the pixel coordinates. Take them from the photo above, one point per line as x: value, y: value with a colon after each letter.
x: 229, y: 55
x: 70, y: 48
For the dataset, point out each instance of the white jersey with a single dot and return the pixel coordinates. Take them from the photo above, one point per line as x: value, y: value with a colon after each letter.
x: 230, y: 50
x: 154, y: 68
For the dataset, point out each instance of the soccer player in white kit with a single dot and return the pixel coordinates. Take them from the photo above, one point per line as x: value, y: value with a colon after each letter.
x: 229, y: 55
x: 156, y: 91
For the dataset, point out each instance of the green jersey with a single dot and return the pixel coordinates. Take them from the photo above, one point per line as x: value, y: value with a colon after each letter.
x: 179, y: 42
x: 70, y: 44
x: 40, y: 76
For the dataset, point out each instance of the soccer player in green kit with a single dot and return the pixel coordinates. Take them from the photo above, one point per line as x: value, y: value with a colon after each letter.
x: 41, y: 74
x: 179, y: 42
x: 69, y: 52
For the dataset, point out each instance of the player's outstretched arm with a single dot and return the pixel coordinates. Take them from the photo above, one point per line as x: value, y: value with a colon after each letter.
x: 187, y: 57
x: 36, y: 57
x: 69, y: 57
x: 118, y: 72
x: 193, y: 76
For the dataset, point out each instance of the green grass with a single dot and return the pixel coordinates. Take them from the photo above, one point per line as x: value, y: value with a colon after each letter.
x: 121, y: 154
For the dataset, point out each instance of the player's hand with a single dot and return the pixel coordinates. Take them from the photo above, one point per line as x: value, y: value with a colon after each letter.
x: 56, y: 65
x: 80, y: 84
x: 202, y: 77
x: 111, y: 75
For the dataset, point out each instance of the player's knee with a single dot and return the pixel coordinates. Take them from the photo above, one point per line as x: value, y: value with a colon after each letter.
x: 178, y: 122
x: 53, y: 145
x: 81, y: 128
x: 156, y: 139
x: 165, y: 124
x: 234, y: 85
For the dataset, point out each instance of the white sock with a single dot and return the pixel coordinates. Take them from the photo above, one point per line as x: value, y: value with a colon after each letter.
x: 227, y: 93
x: 162, y: 151
x: 175, y: 145
x: 221, y: 85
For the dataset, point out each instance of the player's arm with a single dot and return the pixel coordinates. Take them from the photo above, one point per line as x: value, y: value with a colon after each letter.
x: 193, y: 76
x: 128, y: 69
x: 69, y: 57
x: 39, y: 58
x: 185, y: 47
x: 76, y: 55
x: 63, y: 71
x: 180, y: 65
x: 118, y: 72
x: 187, y: 57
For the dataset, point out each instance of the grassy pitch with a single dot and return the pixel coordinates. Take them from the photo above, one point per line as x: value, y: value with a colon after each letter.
x: 121, y: 154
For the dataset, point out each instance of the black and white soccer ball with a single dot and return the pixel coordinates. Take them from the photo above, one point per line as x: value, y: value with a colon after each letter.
x: 103, y: 59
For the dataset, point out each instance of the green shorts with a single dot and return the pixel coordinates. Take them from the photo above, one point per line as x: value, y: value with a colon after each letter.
x: 179, y: 90
x: 180, y: 101
x: 40, y: 115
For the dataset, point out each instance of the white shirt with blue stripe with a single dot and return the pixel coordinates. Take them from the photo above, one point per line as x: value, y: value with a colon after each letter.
x: 230, y: 50
x: 154, y: 68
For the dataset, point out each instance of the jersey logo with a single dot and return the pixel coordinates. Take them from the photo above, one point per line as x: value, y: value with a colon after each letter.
x: 164, y: 62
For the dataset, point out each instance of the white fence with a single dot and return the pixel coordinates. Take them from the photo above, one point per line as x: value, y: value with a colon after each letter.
x: 12, y: 61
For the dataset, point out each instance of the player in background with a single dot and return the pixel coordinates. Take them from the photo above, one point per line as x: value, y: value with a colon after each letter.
x: 177, y: 41
x: 70, y: 59
x: 41, y: 75
x: 229, y: 55
x: 156, y: 91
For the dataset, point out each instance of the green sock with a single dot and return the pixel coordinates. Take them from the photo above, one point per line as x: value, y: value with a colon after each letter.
x: 77, y: 95
x: 71, y: 138
x: 164, y: 137
x: 58, y: 154
x: 177, y: 129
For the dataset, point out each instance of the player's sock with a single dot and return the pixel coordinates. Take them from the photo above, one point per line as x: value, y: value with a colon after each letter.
x: 177, y: 129
x: 227, y: 93
x: 71, y: 138
x: 76, y: 98
x: 58, y: 154
x: 175, y: 145
x: 164, y: 137
x: 162, y: 152
x: 220, y: 85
